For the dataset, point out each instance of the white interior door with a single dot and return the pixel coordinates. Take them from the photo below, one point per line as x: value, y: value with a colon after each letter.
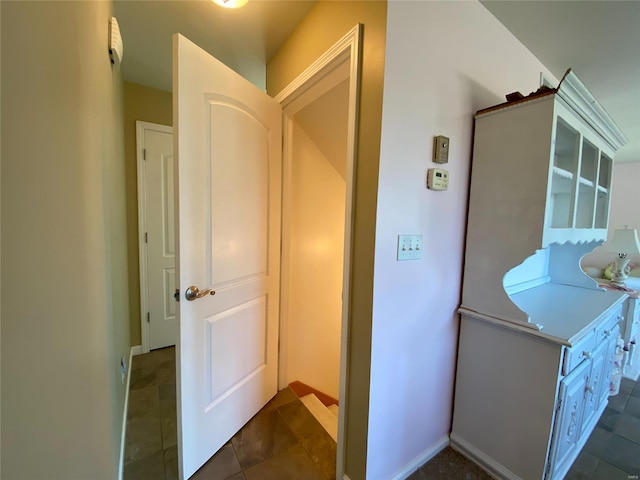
x: 157, y: 234
x: 228, y: 140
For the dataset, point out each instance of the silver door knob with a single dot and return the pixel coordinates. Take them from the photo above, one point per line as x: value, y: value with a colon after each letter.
x: 194, y: 292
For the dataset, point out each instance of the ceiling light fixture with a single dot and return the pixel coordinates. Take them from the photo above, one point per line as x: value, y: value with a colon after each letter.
x: 231, y: 3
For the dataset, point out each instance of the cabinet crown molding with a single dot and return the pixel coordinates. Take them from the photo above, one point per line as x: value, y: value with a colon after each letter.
x: 577, y: 96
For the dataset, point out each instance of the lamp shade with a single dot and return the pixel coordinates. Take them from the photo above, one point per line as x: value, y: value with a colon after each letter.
x: 625, y: 241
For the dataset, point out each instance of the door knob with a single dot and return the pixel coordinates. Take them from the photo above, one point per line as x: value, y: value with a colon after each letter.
x: 194, y: 292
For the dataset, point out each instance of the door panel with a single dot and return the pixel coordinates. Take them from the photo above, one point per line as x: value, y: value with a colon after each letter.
x: 229, y: 144
x: 236, y: 341
x: 239, y: 192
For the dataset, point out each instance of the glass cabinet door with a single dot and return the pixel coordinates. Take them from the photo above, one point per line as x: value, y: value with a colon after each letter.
x: 587, y: 185
x: 603, y: 189
x: 565, y: 164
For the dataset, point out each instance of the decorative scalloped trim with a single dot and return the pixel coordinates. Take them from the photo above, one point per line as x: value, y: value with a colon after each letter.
x: 573, y: 242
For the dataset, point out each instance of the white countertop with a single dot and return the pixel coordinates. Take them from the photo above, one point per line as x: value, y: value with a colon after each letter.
x: 564, y: 311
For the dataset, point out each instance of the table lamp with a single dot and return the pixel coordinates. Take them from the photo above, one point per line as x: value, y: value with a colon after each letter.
x: 625, y: 243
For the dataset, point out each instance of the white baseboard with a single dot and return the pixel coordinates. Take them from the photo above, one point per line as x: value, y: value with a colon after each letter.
x: 136, y: 350
x: 494, y: 468
x: 123, y: 437
x: 422, y: 458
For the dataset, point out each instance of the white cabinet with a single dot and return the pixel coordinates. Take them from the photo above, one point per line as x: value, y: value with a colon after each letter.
x: 537, y: 336
x: 516, y: 412
x: 581, y: 399
x: 541, y: 175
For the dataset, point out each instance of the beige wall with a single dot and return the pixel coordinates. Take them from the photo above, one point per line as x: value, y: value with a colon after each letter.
x: 316, y: 250
x: 325, y: 24
x: 64, y: 282
x: 149, y: 105
x: 625, y: 198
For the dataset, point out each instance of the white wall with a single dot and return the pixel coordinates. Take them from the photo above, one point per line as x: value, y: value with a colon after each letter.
x: 444, y: 61
x: 624, y: 210
x: 315, y: 275
x: 64, y: 278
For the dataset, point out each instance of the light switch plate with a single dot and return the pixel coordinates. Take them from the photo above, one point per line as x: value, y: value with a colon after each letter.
x: 409, y: 247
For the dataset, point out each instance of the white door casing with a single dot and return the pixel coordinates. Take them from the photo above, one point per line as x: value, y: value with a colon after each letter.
x: 229, y: 144
x: 341, y: 61
x: 156, y: 234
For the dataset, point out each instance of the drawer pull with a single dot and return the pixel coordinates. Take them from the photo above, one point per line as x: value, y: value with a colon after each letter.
x: 589, y: 389
x: 607, y: 333
x: 586, y: 354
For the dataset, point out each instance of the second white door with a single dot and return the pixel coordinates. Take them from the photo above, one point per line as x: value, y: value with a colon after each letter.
x: 157, y: 235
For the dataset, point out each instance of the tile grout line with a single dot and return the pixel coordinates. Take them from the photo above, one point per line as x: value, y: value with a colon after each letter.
x: 235, y: 453
x: 299, y: 442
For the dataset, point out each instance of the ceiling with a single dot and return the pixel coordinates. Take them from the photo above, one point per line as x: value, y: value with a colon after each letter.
x: 599, y: 40
x: 243, y: 39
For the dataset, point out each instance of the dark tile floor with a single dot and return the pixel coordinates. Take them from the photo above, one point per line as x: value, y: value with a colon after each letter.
x: 613, y: 449
x: 449, y: 465
x: 282, y: 442
x: 151, y: 443
x: 285, y: 442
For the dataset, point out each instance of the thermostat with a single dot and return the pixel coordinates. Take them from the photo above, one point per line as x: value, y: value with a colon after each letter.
x: 437, y: 179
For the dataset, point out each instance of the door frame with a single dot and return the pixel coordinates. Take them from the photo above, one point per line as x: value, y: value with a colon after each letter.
x: 320, y: 77
x: 141, y: 127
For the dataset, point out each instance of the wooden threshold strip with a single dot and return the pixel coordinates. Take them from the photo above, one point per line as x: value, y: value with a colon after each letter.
x: 302, y: 389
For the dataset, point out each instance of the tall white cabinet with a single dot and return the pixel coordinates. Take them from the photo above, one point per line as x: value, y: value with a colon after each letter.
x: 537, y: 336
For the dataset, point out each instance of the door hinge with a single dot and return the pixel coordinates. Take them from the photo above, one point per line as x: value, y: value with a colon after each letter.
x: 144, y: 153
x: 148, y: 317
x: 146, y: 237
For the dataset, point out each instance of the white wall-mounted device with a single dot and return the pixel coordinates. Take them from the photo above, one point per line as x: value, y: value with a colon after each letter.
x: 437, y: 179
x: 116, y: 48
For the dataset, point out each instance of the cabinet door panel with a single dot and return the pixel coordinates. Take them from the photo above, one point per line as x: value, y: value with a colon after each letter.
x: 568, y: 419
x: 608, y: 366
x: 595, y: 382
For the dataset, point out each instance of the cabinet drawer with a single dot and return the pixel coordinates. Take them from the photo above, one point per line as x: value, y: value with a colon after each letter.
x: 604, y: 330
x: 579, y: 352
